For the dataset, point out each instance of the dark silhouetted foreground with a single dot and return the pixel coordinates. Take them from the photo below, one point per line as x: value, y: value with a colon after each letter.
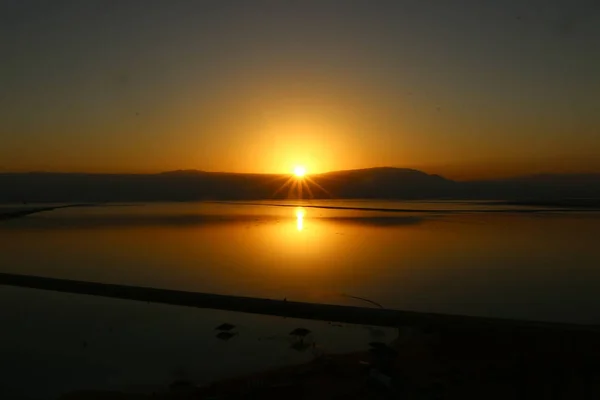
x: 434, y: 355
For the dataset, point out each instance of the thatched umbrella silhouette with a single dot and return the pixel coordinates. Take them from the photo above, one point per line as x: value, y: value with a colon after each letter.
x: 378, y: 345
x: 225, y: 327
x: 226, y: 331
x: 300, y: 333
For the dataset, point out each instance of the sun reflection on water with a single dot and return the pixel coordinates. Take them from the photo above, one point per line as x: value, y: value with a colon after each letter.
x: 300, y: 218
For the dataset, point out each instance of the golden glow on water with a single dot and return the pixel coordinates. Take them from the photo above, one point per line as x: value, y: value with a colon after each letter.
x: 311, y: 254
x: 300, y: 218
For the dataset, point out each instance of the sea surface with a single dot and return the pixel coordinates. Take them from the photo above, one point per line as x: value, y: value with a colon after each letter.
x: 469, y: 258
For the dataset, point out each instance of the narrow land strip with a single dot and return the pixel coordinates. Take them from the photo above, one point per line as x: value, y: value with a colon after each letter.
x: 282, y: 308
x: 28, y: 211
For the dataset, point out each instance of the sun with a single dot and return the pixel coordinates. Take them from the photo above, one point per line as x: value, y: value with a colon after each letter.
x: 299, y: 171
x: 299, y: 181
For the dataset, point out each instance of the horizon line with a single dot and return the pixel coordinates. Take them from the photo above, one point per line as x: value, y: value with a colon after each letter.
x: 200, y: 171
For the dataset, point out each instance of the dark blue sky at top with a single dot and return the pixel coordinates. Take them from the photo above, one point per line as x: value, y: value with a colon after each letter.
x: 506, y: 75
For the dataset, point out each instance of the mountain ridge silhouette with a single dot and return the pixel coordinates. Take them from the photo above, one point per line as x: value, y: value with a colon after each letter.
x: 367, y: 183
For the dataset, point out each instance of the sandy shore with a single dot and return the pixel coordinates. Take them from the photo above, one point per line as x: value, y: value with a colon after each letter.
x: 430, y: 365
x: 461, y: 357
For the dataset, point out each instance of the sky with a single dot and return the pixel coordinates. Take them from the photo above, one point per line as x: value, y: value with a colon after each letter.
x: 466, y: 88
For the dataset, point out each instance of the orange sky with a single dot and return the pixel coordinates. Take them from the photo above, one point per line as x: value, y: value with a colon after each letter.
x: 263, y: 87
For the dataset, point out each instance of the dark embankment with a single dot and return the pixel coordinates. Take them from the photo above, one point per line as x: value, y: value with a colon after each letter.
x: 281, y: 308
x: 24, y: 212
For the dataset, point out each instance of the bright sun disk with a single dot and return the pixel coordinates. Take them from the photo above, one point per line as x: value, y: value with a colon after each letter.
x: 299, y: 171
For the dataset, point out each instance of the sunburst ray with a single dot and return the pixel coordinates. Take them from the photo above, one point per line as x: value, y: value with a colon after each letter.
x: 287, y: 183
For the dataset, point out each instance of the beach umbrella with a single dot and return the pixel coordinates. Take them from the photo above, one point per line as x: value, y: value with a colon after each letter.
x: 300, y: 333
x: 225, y: 327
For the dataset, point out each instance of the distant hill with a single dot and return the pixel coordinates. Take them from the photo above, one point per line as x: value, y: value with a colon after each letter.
x: 188, y: 185
x: 541, y: 186
x: 385, y: 183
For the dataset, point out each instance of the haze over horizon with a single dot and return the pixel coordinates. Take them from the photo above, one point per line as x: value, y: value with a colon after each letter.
x: 475, y: 89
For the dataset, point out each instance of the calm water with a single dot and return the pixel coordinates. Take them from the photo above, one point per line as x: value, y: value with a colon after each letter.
x: 531, y: 266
